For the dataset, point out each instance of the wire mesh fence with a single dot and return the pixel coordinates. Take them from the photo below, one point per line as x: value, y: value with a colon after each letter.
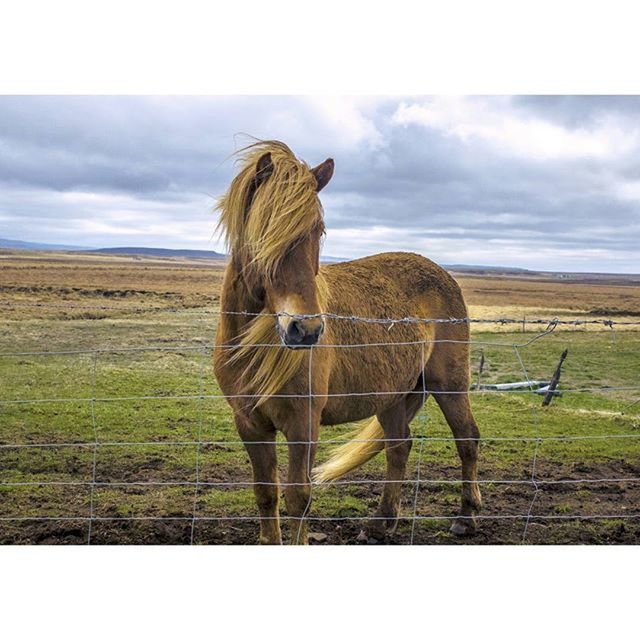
x: 92, y: 438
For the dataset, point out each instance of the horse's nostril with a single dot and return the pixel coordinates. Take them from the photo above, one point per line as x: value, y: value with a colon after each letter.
x: 296, y: 331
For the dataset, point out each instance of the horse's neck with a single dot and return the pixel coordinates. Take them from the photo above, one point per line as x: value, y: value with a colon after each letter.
x: 236, y: 298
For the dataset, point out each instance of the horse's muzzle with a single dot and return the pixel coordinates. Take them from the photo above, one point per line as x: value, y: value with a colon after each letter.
x: 302, y: 334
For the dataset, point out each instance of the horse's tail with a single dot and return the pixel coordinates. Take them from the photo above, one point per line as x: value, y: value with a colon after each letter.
x: 367, y: 441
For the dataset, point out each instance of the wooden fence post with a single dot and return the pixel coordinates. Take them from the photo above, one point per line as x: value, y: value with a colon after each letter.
x: 554, y: 381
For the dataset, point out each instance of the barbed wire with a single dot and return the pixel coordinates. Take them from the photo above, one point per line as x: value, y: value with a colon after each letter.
x: 607, y: 321
x: 212, y: 348
x: 271, y: 345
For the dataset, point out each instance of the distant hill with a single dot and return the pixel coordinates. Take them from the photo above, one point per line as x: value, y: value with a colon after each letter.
x: 477, y: 268
x: 6, y: 243
x: 162, y: 253
x: 470, y: 269
x: 180, y: 253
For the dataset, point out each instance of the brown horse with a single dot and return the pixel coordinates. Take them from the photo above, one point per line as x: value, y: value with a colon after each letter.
x: 286, y: 358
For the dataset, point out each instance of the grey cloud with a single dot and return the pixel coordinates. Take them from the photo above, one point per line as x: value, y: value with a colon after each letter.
x: 161, y: 161
x: 579, y: 111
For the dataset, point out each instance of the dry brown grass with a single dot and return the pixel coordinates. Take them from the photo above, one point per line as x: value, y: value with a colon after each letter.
x: 604, y: 297
x: 102, y: 281
x: 579, y: 297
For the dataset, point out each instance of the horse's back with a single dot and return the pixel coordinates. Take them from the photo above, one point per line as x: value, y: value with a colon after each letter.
x: 393, y: 285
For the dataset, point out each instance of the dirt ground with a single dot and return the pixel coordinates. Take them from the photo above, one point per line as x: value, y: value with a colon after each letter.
x: 619, y: 500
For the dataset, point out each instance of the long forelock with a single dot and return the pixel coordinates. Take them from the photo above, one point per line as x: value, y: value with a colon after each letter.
x: 283, y: 210
x: 267, y: 364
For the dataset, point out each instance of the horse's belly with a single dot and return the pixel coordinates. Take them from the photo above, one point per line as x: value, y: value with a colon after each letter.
x: 366, y: 386
x: 339, y: 411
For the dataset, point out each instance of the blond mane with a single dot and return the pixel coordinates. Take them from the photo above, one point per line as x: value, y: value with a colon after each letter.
x: 283, y: 209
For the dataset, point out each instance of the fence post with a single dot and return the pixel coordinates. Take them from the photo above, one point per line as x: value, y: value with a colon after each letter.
x: 554, y: 381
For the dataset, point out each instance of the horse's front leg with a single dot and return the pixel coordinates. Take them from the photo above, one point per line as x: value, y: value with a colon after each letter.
x: 297, y: 493
x: 261, y: 447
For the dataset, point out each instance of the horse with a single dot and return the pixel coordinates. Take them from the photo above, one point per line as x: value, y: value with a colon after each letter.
x: 286, y: 358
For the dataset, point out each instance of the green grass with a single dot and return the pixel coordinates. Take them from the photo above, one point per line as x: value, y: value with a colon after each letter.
x: 121, y: 396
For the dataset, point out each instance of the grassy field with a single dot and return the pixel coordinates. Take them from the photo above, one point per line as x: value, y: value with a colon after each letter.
x: 128, y: 399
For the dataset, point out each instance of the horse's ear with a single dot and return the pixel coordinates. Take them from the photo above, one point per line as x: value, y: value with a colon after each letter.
x: 323, y: 173
x: 264, y: 168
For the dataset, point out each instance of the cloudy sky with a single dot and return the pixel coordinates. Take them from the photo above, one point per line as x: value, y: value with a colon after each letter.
x: 538, y: 182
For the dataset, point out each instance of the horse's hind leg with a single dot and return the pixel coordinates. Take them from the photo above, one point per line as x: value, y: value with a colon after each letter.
x: 447, y: 376
x: 457, y: 411
x: 261, y: 447
x: 395, y: 423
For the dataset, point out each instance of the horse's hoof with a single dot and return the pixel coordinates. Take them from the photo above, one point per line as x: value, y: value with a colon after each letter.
x: 362, y: 537
x: 391, y: 525
x: 371, y: 536
x: 463, y: 527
